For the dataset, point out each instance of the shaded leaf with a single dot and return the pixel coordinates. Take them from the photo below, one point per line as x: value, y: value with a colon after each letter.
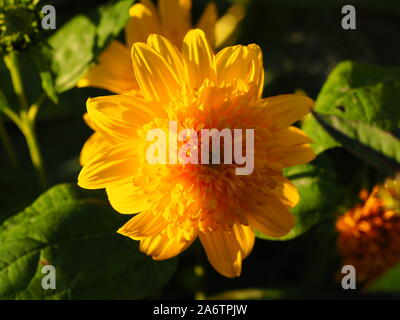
x: 379, y: 148
x: 357, y: 91
x: 40, y: 56
x: 75, y: 231
x: 78, y: 42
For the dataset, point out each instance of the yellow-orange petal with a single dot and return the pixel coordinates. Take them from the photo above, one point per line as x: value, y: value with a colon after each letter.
x: 143, y: 225
x: 241, y: 62
x: 274, y: 219
x: 170, y: 53
x: 143, y: 22
x: 157, y: 79
x: 113, y: 72
x: 93, y: 146
x: 175, y: 17
x: 223, y: 251
x: 199, y: 58
x: 227, y: 24
x: 286, y: 109
x: 110, y: 167
x: 127, y: 199
x: 117, y: 117
x: 298, y: 155
x: 161, y: 247
x: 287, y: 192
x: 292, y: 136
x: 207, y: 22
x: 245, y: 238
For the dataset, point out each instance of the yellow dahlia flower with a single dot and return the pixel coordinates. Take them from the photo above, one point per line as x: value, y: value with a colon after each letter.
x: 179, y: 202
x: 172, y: 19
x: 369, y: 236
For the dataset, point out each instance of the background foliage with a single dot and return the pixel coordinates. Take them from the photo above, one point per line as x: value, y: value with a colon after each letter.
x: 354, y: 76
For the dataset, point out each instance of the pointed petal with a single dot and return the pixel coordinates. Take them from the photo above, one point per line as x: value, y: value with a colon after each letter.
x: 245, y: 238
x: 273, y: 219
x: 117, y: 117
x: 93, y: 146
x: 113, y: 72
x: 287, y: 192
x: 157, y: 79
x: 109, y: 167
x: 170, y: 53
x: 143, y: 225
x: 160, y: 247
x: 143, y: 22
x: 227, y: 24
x: 241, y: 62
x: 285, y: 110
x: 208, y: 21
x: 223, y: 252
x: 127, y: 199
x: 292, y: 136
x: 199, y: 58
x: 298, y: 155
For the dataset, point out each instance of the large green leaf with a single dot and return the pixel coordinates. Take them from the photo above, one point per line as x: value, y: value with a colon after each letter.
x: 78, y: 42
x: 357, y: 91
x: 75, y: 231
x: 319, y: 194
x: 372, y: 144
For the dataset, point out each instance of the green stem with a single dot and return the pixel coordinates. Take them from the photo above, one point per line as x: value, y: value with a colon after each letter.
x: 12, y: 66
x: 5, y: 139
x: 26, y: 121
x: 34, y: 150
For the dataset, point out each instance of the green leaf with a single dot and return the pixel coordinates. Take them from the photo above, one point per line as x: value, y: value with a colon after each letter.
x: 78, y: 42
x: 375, y: 146
x: 319, y: 194
x: 75, y: 231
x: 40, y: 56
x: 389, y: 282
x: 357, y: 91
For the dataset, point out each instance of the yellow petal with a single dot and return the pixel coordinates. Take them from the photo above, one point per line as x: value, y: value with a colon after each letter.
x: 227, y: 24
x: 170, y: 53
x: 223, y: 252
x: 109, y: 167
x: 241, y: 62
x: 93, y: 146
x: 143, y: 22
x: 208, y: 21
x: 175, y: 18
x: 199, y: 58
x: 127, y: 199
x: 161, y: 247
x: 143, y: 225
x: 273, y: 219
x: 117, y: 117
x: 287, y: 192
x: 113, y: 72
x: 245, y: 238
x: 157, y: 79
x: 292, y: 136
x: 88, y: 121
x: 286, y: 109
x: 298, y: 155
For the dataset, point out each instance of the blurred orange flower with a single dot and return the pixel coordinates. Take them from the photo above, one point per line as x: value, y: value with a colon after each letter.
x: 369, y: 236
